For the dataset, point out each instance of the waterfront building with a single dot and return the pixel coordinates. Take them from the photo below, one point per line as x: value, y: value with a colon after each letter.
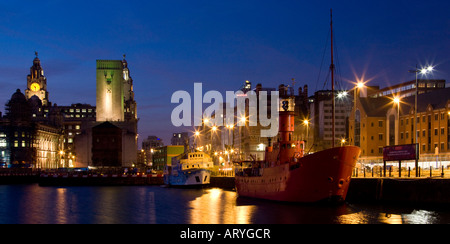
x: 181, y: 139
x: 36, y: 141
x: 408, y: 88
x: 106, y: 145
x: 233, y: 142
x: 116, y: 105
x: 148, y: 147
x: 26, y: 141
x: 321, y: 119
x: 377, y: 122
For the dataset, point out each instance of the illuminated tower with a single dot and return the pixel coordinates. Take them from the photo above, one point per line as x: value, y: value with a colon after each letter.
x: 37, y: 83
x: 130, y: 107
x: 110, y: 92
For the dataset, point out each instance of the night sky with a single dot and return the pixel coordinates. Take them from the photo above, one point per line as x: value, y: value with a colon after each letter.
x: 169, y: 45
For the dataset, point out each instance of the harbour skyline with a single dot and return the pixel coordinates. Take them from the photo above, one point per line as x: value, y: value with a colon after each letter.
x: 171, y: 45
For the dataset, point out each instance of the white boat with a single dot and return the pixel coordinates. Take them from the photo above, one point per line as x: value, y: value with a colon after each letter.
x: 189, y: 169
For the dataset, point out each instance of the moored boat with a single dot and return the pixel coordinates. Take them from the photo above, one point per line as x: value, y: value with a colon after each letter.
x: 189, y: 169
x: 286, y: 174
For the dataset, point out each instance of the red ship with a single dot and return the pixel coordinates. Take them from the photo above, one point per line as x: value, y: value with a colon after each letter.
x: 286, y: 174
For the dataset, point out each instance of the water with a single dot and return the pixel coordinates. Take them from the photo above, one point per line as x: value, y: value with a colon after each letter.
x: 32, y: 204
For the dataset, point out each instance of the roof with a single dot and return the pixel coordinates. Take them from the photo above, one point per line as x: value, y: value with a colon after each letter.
x: 105, y: 125
x: 438, y: 99
x: 378, y: 107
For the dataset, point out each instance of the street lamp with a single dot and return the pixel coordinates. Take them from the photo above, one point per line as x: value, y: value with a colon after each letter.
x: 356, y: 130
x: 422, y: 71
x: 397, y: 101
x: 306, y: 123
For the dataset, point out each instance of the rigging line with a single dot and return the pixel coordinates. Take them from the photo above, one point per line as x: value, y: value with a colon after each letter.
x: 323, y: 58
x: 338, y: 78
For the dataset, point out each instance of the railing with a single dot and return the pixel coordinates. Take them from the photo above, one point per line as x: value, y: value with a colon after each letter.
x: 404, y: 172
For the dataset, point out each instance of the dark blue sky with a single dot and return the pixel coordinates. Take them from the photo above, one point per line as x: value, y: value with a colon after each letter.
x: 172, y: 44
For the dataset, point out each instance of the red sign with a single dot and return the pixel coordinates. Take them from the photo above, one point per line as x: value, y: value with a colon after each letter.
x: 400, y: 152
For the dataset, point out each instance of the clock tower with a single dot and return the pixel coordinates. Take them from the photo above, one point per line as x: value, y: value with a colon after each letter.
x: 37, y: 83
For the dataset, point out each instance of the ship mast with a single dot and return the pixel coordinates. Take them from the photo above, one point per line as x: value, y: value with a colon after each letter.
x: 332, y: 81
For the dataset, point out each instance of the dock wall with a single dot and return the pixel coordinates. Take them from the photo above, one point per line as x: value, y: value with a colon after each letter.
x: 411, y: 191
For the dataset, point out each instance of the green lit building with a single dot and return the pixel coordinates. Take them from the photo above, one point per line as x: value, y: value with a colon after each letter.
x: 163, y: 156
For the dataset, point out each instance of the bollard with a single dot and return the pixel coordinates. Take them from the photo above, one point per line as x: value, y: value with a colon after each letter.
x: 431, y: 171
x: 442, y: 172
x: 364, y: 172
x: 409, y: 172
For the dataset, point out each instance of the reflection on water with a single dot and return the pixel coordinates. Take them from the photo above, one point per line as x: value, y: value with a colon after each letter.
x: 219, y: 207
x: 30, y: 204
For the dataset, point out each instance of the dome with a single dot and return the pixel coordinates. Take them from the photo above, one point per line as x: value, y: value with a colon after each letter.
x: 18, y: 96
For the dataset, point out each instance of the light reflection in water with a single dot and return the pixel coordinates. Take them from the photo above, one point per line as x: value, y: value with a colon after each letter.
x: 219, y: 207
x: 373, y: 214
x: 30, y: 204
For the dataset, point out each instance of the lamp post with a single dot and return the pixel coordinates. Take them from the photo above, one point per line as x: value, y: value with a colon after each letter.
x: 423, y: 71
x: 306, y: 122
x: 397, y: 101
x: 359, y: 86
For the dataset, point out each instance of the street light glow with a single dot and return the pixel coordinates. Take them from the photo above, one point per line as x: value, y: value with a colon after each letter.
x: 397, y: 100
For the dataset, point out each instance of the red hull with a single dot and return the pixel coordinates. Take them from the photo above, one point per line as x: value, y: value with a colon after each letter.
x: 321, y: 176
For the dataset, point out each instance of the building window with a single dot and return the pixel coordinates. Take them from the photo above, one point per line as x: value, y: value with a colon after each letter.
x: 23, y: 143
x: 380, y: 123
x: 16, y: 143
x: 380, y: 137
